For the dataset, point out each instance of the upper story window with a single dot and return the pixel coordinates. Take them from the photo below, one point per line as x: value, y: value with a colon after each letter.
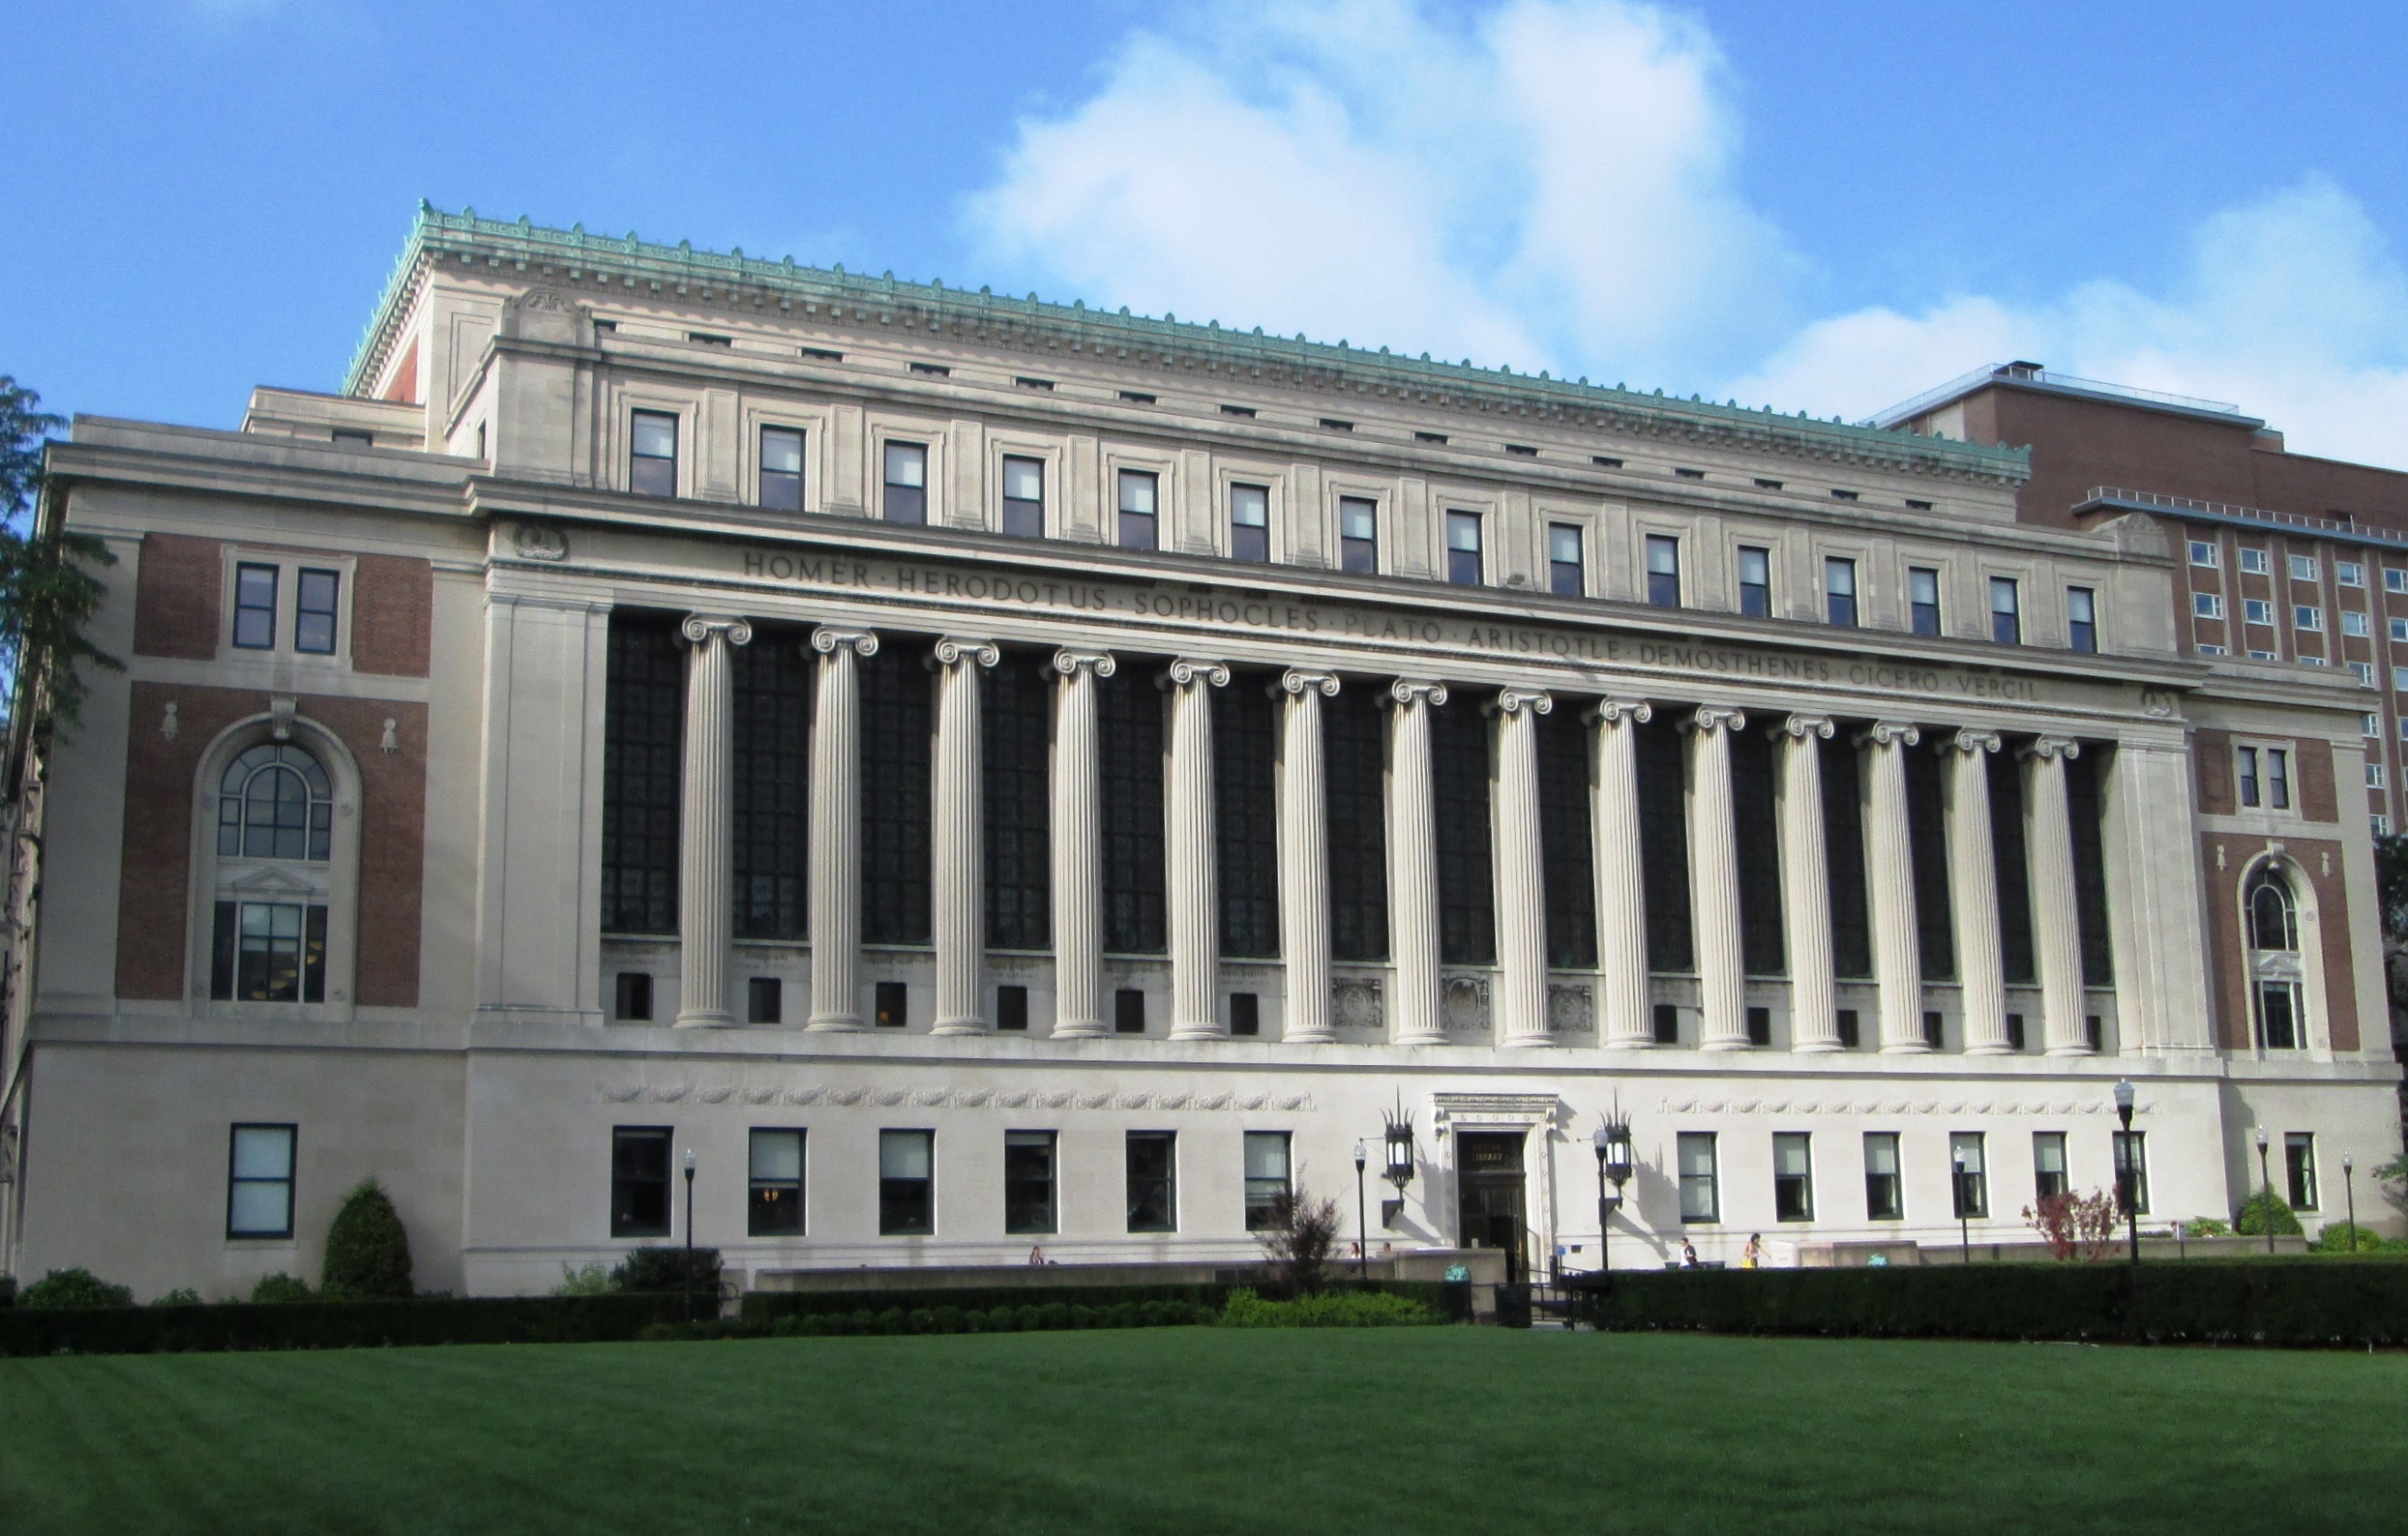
x: 1358, y: 534
x: 906, y: 483
x: 313, y: 623
x: 269, y: 934
x: 2349, y: 573
x: 1250, y: 522
x: 1023, y: 497
x: 2207, y: 605
x: 2306, y: 617
x: 254, y: 606
x: 1663, y: 571
x: 1463, y: 549
x: 2303, y: 568
x: 2354, y: 625
x: 652, y: 453
x: 259, y: 1180
x: 2006, y: 611
x: 1922, y: 594
x: 2205, y: 554
x: 2274, y: 919
x: 2082, y: 618
x: 2277, y: 789
x: 782, y: 468
x: 1567, y: 574
x: 2258, y: 610
x: 316, y: 608
x: 275, y: 802
x: 1755, y: 580
x: 2395, y: 579
x: 2253, y: 562
x: 1137, y: 490
x: 1839, y: 591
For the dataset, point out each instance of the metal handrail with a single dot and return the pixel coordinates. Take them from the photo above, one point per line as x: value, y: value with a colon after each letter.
x: 2222, y: 509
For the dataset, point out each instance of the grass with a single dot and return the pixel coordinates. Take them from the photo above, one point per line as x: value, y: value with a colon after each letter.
x: 1391, y: 1431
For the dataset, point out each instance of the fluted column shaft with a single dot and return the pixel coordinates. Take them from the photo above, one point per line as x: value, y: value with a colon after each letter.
x: 1078, y: 847
x: 1195, y: 887
x: 1714, y: 880
x: 1889, y: 885
x: 1412, y: 864
x: 705, y: 879
x: 1973, y: 889
x: 959, y: 843
x: 836, y: 829
x: 1805, y: 886
x: 1625, y: 1019
x: 1304, y: 854
x: 1521, y: 885
x: 2057, y: 928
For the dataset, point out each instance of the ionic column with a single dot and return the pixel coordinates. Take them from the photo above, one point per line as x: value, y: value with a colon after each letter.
x: 1889, y: 885
x: 1078, y: 847
x: 707, y: 832
x: 1412, y: 864
x: 1521, y: 888
x: 1805, y: 885
x: 836, y: 829
x: 1193, y: 854
x: 1625, y: 1019
x: 2056, y: 920
x: 1974, y: 890
x: 1304, y: 854
x: 1715, y: 879
x: 959, y: 846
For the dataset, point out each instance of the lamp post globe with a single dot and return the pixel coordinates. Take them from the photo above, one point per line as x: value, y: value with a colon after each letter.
x: 2127, y: 1165
x: 1964, y: 1209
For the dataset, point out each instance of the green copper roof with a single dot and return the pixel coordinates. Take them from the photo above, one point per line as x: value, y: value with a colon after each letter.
x: 437, y: 232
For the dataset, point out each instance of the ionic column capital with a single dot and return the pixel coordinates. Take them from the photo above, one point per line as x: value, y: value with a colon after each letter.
x: 2043, y: 748
x: 953, y: 650
x: 1706, y: 717
x: 1888, y: 733
x: 1514, y: 700
x: 1971, y: 741
x: 700, y: 626
x: 1187, y: 671
x: 1070, y: 664
x: 827, y: 640
x: 1618, y: 711
x: 1298, y: 681
x: 1797, y: 727
x: 1408, y: 690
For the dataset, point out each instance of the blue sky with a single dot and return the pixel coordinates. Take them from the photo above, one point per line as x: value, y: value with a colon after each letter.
x: 1819, y: 207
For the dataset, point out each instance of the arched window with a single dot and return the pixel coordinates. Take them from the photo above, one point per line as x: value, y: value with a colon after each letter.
x: 2274, y: 920
x: 2276, y: 968
x: 276, y: 802
x: 279, y: 870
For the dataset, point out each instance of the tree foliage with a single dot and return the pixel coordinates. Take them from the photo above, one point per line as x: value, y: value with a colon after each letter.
x: 47, y: 592
x: 73, y: 1288
x: 367, y: 1250
x: 1299, y: 1242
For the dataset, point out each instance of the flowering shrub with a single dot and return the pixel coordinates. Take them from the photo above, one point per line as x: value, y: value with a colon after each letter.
x: 2076, y: 1225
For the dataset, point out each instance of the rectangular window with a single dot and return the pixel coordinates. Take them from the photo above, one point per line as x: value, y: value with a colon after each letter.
x: 1250, y: 522
x: 1567, y: 574
x: 2349, y: 573
x: 1245, y: 1013
x: 2214, y: 650
x: 2204, y: 553
x: 2081, y: 619
x: 1267, y: 1180
x: 1663, y: 571
x: 2310, y: 619
x: 1755, y: 580
x: 2253, y: 562
x: 2380, y: 825
x: 1973, y: 1184
x: 2131, y: 1160
x: 642, y: 737
x: 259, y: 1179
x: 2048, y: 1164
x: 652, y: 453
x: 1922, y: 585
x: 2400, y: 630
x: 2395, y: 579
x: 2399, y: 679
x: 1935, y: 1030
x: 891, y: 1005
x: 1666, y: 1021
x: 1463, y: 549
x: 1023, y: 497
x: 1011, y: 1008
x: 2257, y: 610
x: 1137, y: 509
x: 2303, y: 568
x: 2014, y: 1031
x: 1028, y: 1181
x: 254, y: 606
x: 906, y: 483
x: 1128, y: 1012
x: 633, y: 999
x: 1839, y: 591
x: 1849, y: 1027
x: 314, y: 613
x: 1358, y: 534
x: 774, y: 1193
x: 1701, y: 1193
x: 2279, y: 779
x: 2370, y: 725
x: 2298, y: 1166
x: 639, y: 1181
x: 2354, y: 625
x: 1885, y: 1200
x: 765, y: 1000
x: 2206, y: 606
x: 2364, y: 672
x: 2278, y: 1016
x: 906, y: 1182
x: 2006, y: 611
x: 1760, y: 1027
x: 782, y: 469
x: 2250, y: 794
x: 268, y: 952
x: 1793, y: 1177
x: 2375, y: 775
x: 1153, y: 1181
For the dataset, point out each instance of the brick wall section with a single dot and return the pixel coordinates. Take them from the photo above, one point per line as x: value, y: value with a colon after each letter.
x: 2317, y: 801
x: 2332, y: 923
x: 153, y: 922
x: 393, y: 616
x: 175, y: 597
x: 2228, y: 955
x: 2213, y: 751
x: 2228, y: 943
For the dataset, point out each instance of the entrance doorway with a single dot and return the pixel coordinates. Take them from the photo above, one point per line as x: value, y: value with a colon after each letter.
x: 1489, y: 1196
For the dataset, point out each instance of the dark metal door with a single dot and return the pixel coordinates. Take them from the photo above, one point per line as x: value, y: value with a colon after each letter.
x: 1488, y: 1200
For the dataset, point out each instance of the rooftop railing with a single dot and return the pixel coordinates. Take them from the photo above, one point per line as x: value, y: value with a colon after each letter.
x: 2026, y: 373
x: 2228, y: 510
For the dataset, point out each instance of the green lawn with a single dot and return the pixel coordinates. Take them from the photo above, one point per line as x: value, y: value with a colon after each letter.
x: 1464, y: 1430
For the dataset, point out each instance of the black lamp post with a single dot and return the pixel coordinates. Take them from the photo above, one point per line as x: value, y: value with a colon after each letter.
x: 2349, y: 1192
x: 1964, y: 1224
x: 1612, y: 1144
x: 1400, y: 1172
x: 1362, y: 1224
x: 689, y: 1267
x: 2266, y: 1183
x: 2127, y: 1165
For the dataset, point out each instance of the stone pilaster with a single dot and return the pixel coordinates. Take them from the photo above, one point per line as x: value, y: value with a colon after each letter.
x: 706, y: 885
x: 1805, y: 885
x: 1078, y: 847
x: 1304, y: 854
x: 836, y: 829
x: 1715, y: 879
x: 1973, y: 889
x: 1193, y: 854
x: 1625, y: 1020
x: 959, y: 843
x: 1889, y: 886
x: 1412, y: 863
x: 2056, y: 918
x: 1521, y: 888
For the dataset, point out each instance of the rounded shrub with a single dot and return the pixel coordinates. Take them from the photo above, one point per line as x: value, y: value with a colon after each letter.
x: 76, y: 1288
x: 367, y: 1250
x: 181, y: 1297
x: 2263, y: 1207
x: 282, y: 1287
x: 945, y: 1319
x: 891, y: 1320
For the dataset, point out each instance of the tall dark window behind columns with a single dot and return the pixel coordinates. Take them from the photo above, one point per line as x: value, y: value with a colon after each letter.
x: 2084, y: 808
x: 898, y: 708
x: 772, y: 781
x: 642, y: 772
x: 1467, y: 881
x: 1016, y: 718
x: 1664, y: 842
x: 1246, y: 806
x: 1354, y: 768
x: 1564, y: 852
x: 2015, y: 877
x: 1927, y: 839
x: 1843, y: 856
x: 1129, y: 719
x: 1760, y: 852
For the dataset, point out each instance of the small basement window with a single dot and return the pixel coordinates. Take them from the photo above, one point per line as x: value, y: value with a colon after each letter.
x: 1523, y: 449
x: 1333, y: 424
x: 1605, y: 460
x: 1246, y: 411
x: 1843, y: 495
x: 821, y: 353
x: 1912, y: 505
x: 1690, y: 474
x: 705, y: 338
x: 932, y: 369
x: 1033, y: 383
x: 1429, y: 437
x: 1137, y: 396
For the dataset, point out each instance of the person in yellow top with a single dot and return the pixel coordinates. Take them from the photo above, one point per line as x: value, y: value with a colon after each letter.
x: 1754, y: 1256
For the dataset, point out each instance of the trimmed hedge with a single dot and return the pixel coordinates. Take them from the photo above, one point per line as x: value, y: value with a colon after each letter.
x: 1034, y: 1317
x: 332, y: 1324
x: 2305, y: 1303
x: 763, y: 1309
x: 1331, y: 1308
